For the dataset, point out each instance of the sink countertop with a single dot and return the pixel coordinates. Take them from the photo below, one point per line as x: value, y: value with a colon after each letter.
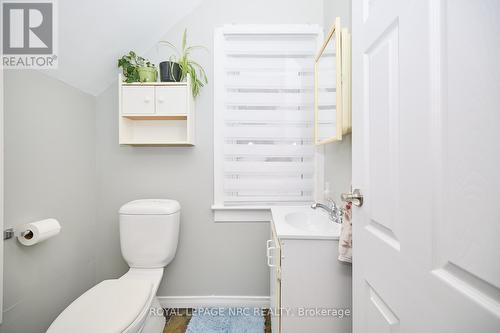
x: 317, y: 224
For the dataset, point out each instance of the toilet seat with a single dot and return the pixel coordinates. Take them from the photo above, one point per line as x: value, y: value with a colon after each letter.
x: 112, y: 306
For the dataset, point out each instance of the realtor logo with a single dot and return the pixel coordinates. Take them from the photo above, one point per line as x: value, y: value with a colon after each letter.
x: 28, y: 38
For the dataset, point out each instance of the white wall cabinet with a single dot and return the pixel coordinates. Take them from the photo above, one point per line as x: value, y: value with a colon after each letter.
x: 156, y: 113
x: 307, y: 278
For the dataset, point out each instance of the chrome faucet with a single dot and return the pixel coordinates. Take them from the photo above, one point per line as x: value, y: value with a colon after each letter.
x: 334, y: 211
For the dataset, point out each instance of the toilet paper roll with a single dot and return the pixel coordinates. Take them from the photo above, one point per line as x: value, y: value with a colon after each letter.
x: 36, y: 232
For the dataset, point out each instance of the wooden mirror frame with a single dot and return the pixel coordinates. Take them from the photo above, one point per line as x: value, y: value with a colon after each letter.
x: 335, y: 31
x: 346, y: 82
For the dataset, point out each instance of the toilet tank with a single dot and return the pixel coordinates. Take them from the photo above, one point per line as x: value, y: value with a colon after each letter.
x: 149, y: 232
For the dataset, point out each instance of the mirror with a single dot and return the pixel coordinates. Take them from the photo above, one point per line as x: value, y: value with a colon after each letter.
x: 332, y: 117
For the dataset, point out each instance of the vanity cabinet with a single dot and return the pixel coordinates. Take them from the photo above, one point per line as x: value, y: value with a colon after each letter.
x: 156, y: 113
x: 310, y: 290
x: 273, y: 251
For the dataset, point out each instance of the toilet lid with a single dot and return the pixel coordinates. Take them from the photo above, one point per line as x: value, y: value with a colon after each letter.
x: 109, y: 307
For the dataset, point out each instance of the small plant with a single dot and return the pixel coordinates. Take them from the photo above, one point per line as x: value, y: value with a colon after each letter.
x: 189, y: 68
x: 131, y: 64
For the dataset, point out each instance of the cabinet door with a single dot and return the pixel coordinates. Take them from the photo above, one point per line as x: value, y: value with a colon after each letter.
x: 138, y: 100
x: 171, y: 100
x: 274, y: 262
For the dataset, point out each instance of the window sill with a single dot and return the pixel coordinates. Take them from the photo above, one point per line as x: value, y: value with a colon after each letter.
x: 235, y: 214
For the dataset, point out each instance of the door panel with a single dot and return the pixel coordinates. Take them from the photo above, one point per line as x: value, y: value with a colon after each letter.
x: 468, y: 232
x: 426, y: 156
x: 380, y: 318
x: 469, y: 138
x: 381, y: 67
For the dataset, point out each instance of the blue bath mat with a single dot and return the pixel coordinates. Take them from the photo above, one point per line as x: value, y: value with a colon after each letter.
x: 215, y: 320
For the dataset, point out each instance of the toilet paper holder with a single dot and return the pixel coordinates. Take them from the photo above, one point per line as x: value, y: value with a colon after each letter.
x: 35, y: 232
x: 10, y: 233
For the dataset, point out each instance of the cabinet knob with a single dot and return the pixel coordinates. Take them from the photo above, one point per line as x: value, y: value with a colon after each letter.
x: 161, y: 100
x: 147, y: 99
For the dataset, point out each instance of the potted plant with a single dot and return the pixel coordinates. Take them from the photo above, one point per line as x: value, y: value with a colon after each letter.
x: 180, y: 66
x: 137, y: 69
x: 170, y: 71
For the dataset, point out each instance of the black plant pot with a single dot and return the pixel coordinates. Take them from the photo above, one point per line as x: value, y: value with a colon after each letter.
x: 170, y: 71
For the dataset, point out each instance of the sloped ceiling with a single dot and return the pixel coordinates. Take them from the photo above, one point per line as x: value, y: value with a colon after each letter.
x: 93, y: 34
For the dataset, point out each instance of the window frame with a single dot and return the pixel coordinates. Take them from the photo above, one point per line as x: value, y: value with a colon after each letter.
x: 224, y: 213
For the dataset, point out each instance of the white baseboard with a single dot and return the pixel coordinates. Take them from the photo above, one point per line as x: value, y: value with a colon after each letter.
x: 213, y: 301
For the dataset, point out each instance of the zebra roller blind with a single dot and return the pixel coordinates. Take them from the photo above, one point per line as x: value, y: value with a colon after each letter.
x: 265, y: 116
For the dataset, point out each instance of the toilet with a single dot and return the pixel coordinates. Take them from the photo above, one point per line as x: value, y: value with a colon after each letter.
x: 149, y: 232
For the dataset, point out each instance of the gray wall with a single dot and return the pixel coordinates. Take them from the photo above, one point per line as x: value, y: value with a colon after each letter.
x: 49, y: 172
x: 338, y: 155
x: 338, y: 166
x: 220, y: 259
x: 334, y: 8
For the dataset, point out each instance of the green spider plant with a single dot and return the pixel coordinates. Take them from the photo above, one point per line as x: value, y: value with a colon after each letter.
x: 189, y: 68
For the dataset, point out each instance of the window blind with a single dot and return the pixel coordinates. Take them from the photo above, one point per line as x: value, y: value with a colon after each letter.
x: 267, y: 130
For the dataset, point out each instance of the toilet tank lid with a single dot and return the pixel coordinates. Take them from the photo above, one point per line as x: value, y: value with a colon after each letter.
x: 150, y: 207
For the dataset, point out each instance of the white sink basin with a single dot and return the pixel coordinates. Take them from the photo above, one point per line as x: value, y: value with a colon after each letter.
x: 311, y: 221
x: 304, y: 223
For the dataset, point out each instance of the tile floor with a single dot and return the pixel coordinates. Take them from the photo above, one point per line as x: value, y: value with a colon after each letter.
x: 178, y: 320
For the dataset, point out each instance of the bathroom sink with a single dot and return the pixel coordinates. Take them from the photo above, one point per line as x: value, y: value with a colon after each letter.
x: 312, y: 221
x: 304, y: 223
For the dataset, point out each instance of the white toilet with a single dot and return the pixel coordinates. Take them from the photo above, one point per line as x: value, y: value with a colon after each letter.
x: 149, y: 231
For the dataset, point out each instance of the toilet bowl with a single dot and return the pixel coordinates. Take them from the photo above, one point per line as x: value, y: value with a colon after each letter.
x: 149, y: 231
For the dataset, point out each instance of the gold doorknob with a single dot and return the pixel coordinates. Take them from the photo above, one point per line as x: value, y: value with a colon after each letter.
x: 354, y: 196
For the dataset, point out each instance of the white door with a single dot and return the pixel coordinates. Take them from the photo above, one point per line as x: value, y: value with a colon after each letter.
x: 426, y: 155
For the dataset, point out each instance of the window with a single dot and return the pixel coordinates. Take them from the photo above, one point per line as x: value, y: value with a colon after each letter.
x: 264, y: 153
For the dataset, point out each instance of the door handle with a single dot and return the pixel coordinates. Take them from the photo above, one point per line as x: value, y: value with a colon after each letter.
x: 354, y: 196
